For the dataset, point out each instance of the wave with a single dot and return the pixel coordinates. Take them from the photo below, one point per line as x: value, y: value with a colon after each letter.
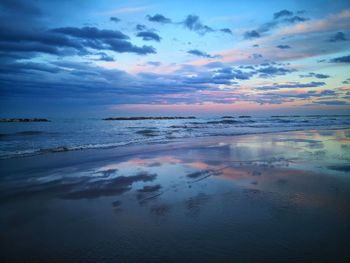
x: 73, y: 136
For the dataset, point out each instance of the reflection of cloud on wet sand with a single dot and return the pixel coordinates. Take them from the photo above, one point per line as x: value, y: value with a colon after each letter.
x: 79, y: 187
x: 195, y: 203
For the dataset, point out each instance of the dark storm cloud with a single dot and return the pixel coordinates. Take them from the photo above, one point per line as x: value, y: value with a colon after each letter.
x: 347, y: 81
x: 339, y: 36
x: 199, y: 53
x: 315, y: 75
x: 282, y: 13
x: 158, y: 18
x: 115, y: 19
x: 226, y: 30
x: 148, y: 36
x: 344, y: 59
x: 292, y: 85
x: 193, y: 23
x: 283, y: 46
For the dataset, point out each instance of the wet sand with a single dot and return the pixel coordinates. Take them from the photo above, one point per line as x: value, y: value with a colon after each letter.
x: 280, y: 197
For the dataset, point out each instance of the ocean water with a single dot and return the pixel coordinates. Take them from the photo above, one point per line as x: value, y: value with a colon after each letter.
x: 21, y: 139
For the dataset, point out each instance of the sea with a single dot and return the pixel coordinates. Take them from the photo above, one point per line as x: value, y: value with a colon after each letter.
x: 19, y: 139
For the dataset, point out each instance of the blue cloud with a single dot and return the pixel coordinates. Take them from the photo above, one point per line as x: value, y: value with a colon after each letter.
x: 251, y: 34
x: 282, y: 13
x: 193, y: 23
x: 344, y: 59
x: 347, y: 81
x: 332, y: 102
x: 115, y: 19
x: 140, y: 27
x: 199, y: 53
x: 283, y: 46
x: 293, y: 85
x: 315, y: 75
x: 105, y: 57
x: 339, y: 36
x: 270, y: 71
x: 154, y: 63
x: 295, y: 19
x: 158, y: 18
x: 148, y: 36
x: 90, y: 33
x: 226, y: 30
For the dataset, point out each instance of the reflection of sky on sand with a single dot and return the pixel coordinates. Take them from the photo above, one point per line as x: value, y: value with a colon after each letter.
x: 210, y: 197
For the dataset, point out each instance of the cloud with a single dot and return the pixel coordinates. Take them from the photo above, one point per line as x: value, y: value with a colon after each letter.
x: 292, y: 85
x: 154, y: 63
x: 283, y: 46
x: 295, y: 19
x: 158, y: 18
x: 27, y: 68
x: 114, y: 19
x: 266, y: 72
x: 282, y: 17
x: 331, y: 102
x: 329, y: 23
x: 256, y: 56
x: 199, y: 53
x: 344, y: 59
x: 282, y: 13
x: 339, y: 36
x: 193, y: 23
x: 122, y: 46
x: 104, y: 39
x: 90, y: 33
x: 148, y: 36
x: 251, y: 34
x: 23, y: 8
x: 226, y: 30
x: 347, y: 81
x: 315, y: 75
x: 29, y: 40
x: 105, y: 57
x: 140, y: 27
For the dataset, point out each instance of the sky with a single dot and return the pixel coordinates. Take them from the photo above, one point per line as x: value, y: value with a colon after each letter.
x: 128, y: 58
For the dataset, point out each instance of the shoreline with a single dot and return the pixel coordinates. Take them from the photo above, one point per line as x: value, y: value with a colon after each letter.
x: 67, y: 158
x: 65, y: 149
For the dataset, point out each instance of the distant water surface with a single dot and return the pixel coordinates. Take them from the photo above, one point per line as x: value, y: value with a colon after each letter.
x: 17, y: 139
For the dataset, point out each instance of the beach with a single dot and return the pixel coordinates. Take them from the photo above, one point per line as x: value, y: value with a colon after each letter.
x: 270, y: 197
